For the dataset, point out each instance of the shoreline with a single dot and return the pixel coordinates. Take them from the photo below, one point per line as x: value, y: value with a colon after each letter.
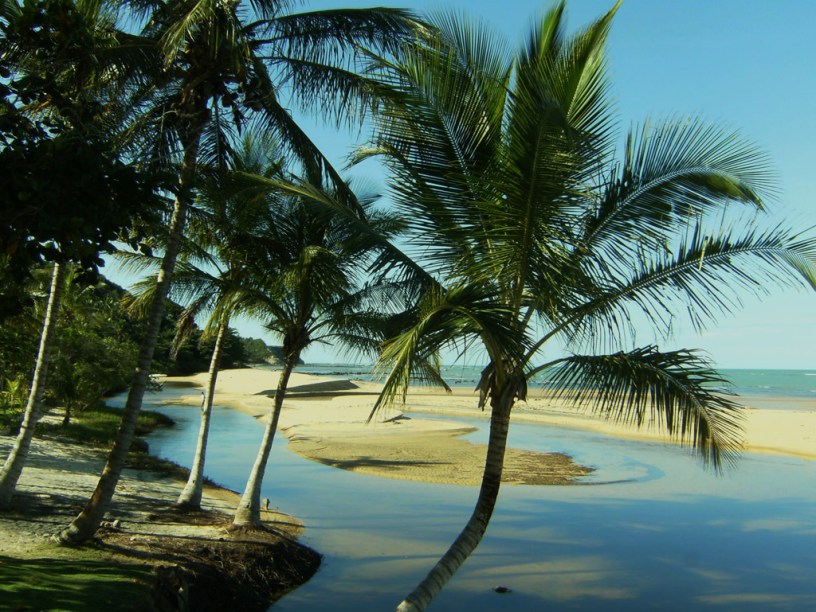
x: 324, y: 420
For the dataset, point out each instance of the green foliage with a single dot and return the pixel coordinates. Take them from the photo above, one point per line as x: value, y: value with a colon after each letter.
x: 67, y: 188
x: 94, y: 351
x: 93, y: 355
x: 504, y: 167
x: 256, y: 350
x: 14, y: 393
x: 194, y: 353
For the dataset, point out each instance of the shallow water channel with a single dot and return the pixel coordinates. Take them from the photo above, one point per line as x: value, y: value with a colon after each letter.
x: 651, y: 530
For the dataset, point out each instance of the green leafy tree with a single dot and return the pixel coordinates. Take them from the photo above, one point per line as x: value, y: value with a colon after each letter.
x: 255, y: 350
x: 94, y: 354
x: 212, y: 58
x: 61, y: 107
x: 503, y: 166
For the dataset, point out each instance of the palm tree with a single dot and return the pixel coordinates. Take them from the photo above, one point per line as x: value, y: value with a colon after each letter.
x: 517, y: 208
x: 212, y: 276
x: 212, y: 55
x: 13, y: 467
x: 315, y: 259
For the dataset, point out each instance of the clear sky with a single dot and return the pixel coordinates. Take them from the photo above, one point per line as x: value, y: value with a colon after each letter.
x: 746, y: 64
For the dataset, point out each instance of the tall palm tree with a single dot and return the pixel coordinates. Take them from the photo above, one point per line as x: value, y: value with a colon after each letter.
x: 534, y: 233
x: 213, y: 58
x: 13, y: 467
x: 212, y: 276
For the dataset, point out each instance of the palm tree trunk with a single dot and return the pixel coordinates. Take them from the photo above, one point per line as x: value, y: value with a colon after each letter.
x: 471, y: 535
x: 248, y: 512
x: 191, y: 494
x: 13, y: 467
x: 87, y: 522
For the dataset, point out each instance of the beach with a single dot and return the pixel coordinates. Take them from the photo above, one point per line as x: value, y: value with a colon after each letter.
x: 146, y: 548
x: 326, y: 419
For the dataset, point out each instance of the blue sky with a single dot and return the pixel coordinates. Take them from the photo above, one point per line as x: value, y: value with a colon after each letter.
x: 746, y: 64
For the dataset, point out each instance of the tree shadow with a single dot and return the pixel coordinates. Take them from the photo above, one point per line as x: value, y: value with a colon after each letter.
x: 328, y: 388
x: 382, y: 464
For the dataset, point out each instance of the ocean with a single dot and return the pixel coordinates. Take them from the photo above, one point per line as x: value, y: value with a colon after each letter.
x: 765, y: 384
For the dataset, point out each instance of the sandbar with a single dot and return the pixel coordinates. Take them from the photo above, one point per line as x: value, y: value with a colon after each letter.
x: 326, y: 419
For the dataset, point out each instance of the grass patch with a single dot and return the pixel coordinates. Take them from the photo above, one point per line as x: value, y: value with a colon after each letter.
x: 97, y: 426
x: 142, y: 460
x: 10, y: 420
x: 57, y: 578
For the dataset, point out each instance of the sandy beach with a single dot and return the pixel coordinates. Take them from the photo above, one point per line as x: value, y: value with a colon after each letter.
x: 325, y: 418
x: 188, y: 554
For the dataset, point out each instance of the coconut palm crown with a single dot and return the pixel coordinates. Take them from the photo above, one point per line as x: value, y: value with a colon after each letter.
x: 504, y: 167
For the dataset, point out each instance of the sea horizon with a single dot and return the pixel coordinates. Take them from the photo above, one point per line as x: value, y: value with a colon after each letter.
x: 761, y: 382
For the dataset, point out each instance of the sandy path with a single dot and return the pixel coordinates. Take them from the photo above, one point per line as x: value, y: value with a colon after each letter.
x: 190, y: 558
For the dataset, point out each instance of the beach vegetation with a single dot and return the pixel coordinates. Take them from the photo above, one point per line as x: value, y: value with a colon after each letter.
x: 212, y: 278
x: 60, y: 150
x: 537, y: 235
x: 62, y: 108
x: 257, y: 351
x: 96, y: 426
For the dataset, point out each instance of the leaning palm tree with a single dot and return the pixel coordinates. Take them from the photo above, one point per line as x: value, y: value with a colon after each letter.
x: 311, y: 270
x: 13, y: 466
x: 215, y: 61
x: 534, y: 234
x: 212, y: 277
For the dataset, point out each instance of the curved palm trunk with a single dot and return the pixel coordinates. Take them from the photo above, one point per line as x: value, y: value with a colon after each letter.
x: 13, y: 467
x: 471, y: 535
x: 248, y: 512
x: 191, y: 494
x: 87, y: 522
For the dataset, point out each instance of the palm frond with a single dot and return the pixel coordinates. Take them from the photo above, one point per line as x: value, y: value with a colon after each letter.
x: 677, y: 392
x: 440, y: 129
x: 339, y: 96
x: 673, y: 172
x: 444, y: 320
x: 138, y: 300
x: 328, y: 36
x: 136, y: 263
x: 706, y: 276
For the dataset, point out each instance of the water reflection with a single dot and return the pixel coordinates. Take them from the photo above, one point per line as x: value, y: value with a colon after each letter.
x: 665, y: 535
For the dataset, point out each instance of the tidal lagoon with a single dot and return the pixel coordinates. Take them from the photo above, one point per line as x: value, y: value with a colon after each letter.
x: 649, y: 528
